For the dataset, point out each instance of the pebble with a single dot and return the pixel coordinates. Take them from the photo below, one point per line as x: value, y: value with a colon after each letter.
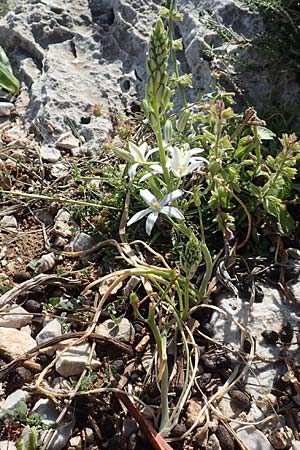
x: 213, y: 443
x: 179, y: 430
x: 64, y: 225
x: 33, y: 306
x: 254, y: 439
x: 107, y: 426
x: 286, y: 333
x: 60, y: 170
x: 123, y: 330
x: 50, y: 154
x: 12, y: 400
x: 14, y: 343
x: 224, y: 437
x: 43, y: 264
x: 240, y: 399
x: 9, y: 222
x: 80, y: 242
x: 67, y: 141
x: 17, y: 317
x: 279, y: 439
x: 6, y: 108
x: 22, y: 376
x: 7, y: 445
x: 51, y: 330
x: 74, y: 360
x: 192, y: 411
x: 20, y: 277
x: 270, y: 336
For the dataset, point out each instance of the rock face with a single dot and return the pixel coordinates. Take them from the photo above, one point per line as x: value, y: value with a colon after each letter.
x: 76, y: 55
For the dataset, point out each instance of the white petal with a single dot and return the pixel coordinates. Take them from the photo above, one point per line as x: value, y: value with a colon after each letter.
x: 171, y: 211
x: 138, y: 216
x: 148, y: 197
x: 170, y: 197
x: 151, y: 219
x: 153, y: 150
x: 136, y: 152
x: 132, y: 171
x: 196, y: 151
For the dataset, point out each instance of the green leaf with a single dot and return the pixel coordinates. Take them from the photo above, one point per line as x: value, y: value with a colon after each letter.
x: 265, y: 134
x: 7, y: 79
x: 285, y: 222
x: 245, y: 145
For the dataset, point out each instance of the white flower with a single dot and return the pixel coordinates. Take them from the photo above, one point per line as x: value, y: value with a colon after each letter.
x: 183, y: 161
x: 156, y: 207
x: 140, y: 155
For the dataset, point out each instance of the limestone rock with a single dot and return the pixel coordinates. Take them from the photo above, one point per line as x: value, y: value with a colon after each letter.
x: 9, y: 222
x: 82, y: 241
x: 122, y: 330
x: 6, y: 108
x: 14, y: 343
x: 51, y: 330
x: 74, y: 360
x: 11, y: 402
x: 17, y: 317
x: 254, y: 439
x: 50, y: 154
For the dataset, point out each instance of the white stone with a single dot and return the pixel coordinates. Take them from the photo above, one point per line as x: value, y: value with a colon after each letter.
x: 67, y: 141
x: 295, y: 445
x: 51, y: 330
x: 60, y: 170
x: 50, y: 154
x: 6, y: 108
x: 45, y: 407
x: 7, y: 445
x: 64, y: 225
x: 17, y: 317
x: 74, y: 360
x: 9, y: 222
x: 253, y: 438
x: 14, y: 343
x: 12, y: 400
x: 123, y: 330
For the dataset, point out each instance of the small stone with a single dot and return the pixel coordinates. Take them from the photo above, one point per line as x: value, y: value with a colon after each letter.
x: 107, y: 426
x: 67, y: 141
x: 270, y: 336
x: 279, y: 439
x: 43, y: 264
x: 89, y: 435
x: 17, y: 317
x: 253, y: 438
x: 80, y: 242
x: 50, y: 154
x: 12, y: 400
x: 213, y: 443
x: 123, y: 330
x: 286, y: 333
x: 118, y: 366
x: 22, y: 376
x: 74, y: 360
x: 7, y: 445
x: 75, y: 441
x: 6, y: 108
x: 14, y: 343
x: 64, y: 224
x: 179, y: 430
x: 85, y: 120
x: 60, y: 170
x: 9, y: 222
x: 240, y: 399
x: 225, y: 438
x: 33, y: 306
x: 50, y: 331
x: 20, y: 277
x: 193, y: 409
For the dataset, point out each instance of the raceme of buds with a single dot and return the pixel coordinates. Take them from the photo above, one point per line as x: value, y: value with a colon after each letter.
x: 191, y: 257
x: 157, y: 64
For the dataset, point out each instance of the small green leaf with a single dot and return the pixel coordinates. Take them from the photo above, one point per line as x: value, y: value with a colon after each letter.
x: 265, y: 134
x: 245, y: 145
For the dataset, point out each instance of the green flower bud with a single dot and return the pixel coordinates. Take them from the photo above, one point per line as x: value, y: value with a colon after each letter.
x: 191, y: 257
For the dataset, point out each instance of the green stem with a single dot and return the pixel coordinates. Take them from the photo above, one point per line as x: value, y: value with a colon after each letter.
x: 161, y: 149
x: 257, y: 147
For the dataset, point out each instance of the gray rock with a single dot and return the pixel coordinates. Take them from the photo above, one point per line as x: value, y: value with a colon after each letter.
x: 11, y: 402
x: 61, y: 435
x: 74, y: 360
x: 51, y: 330
x: 6, y: 108
x: 50, y: 154
x: 14, y: 343
x: 122, y: 330
x: 17, y: 317
x: 61, y: 170
x: 254, y: 439
x: 270, y: 315
x: 81, y: 241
